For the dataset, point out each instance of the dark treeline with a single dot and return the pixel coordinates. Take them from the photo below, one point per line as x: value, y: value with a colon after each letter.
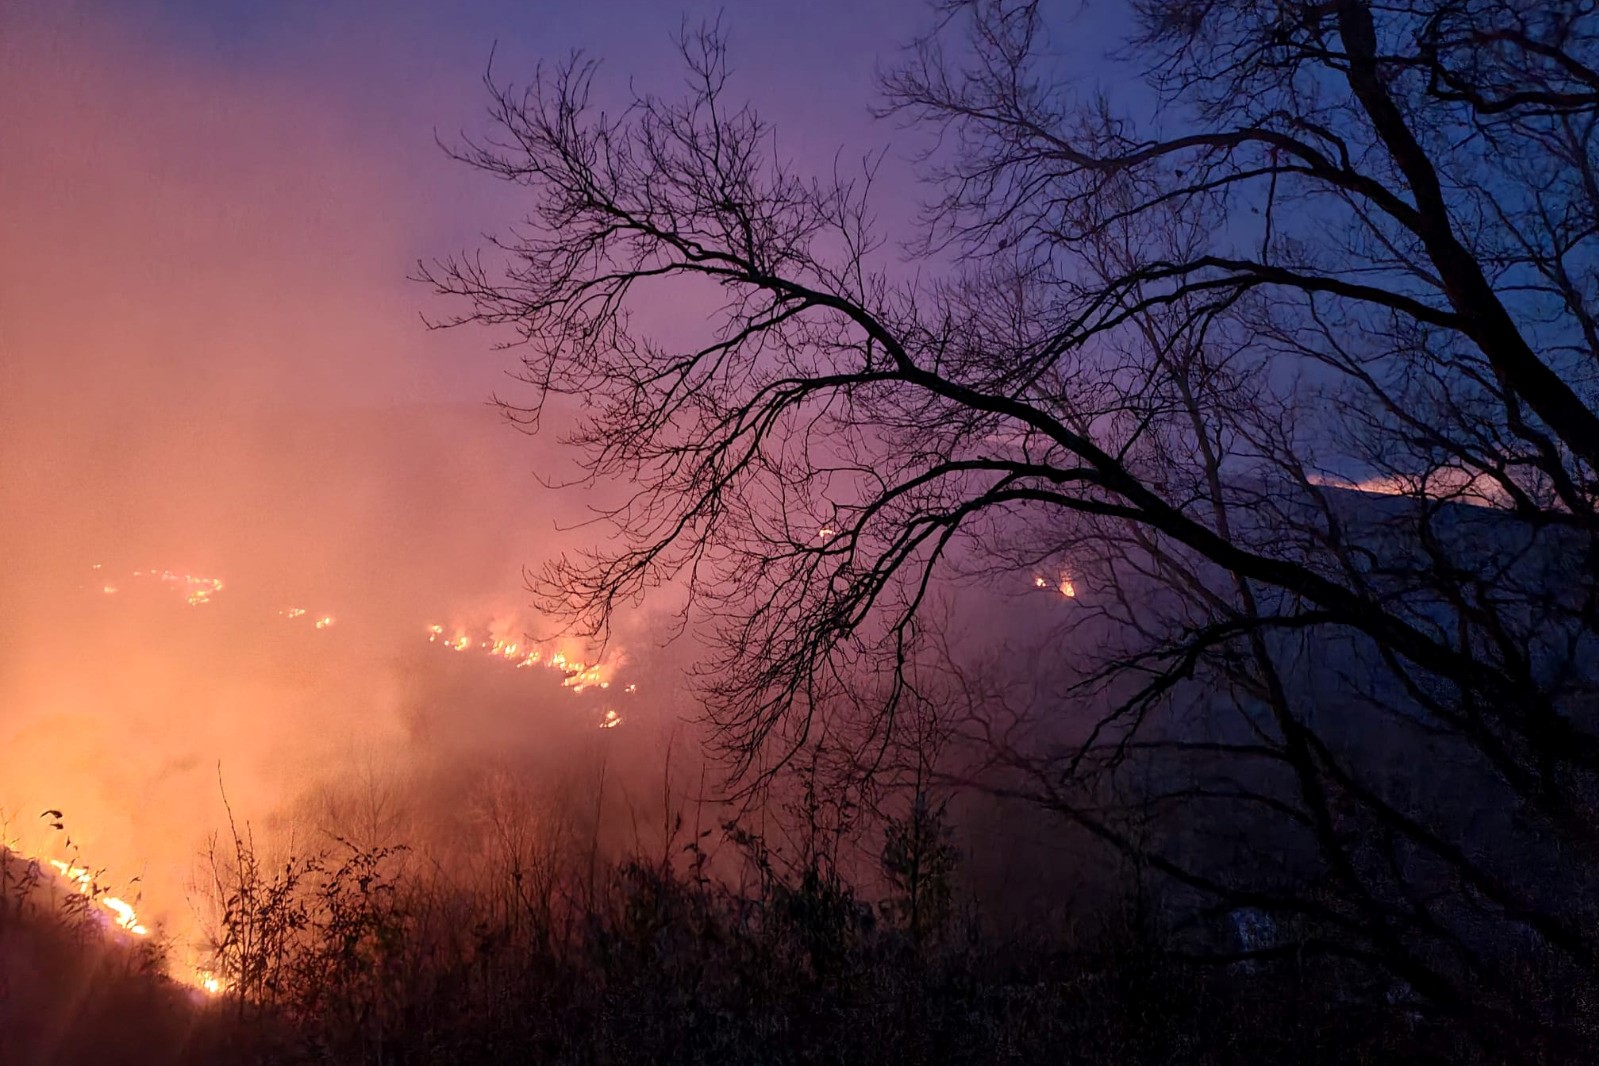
x: 366, y: 954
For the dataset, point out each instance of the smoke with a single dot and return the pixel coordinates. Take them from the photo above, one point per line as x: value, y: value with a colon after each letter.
x: 213, y: 366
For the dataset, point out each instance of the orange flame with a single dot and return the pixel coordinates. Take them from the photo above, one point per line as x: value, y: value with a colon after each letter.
x: 494, y: 641
x: 1063, y: 584
x: 120, y: 911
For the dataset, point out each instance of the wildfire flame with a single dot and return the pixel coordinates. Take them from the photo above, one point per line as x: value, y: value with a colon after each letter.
x: 195, y: 590
x: 577, y: 675
x: 492, y: 639
x: 114, y: 912
x: 1063, y: 584
x: 120, y: 911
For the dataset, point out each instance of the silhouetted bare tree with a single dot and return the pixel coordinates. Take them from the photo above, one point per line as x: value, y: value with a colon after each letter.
x: 1288, y: 357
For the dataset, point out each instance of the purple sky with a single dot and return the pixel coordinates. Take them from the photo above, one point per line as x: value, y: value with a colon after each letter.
x: 224, y: 197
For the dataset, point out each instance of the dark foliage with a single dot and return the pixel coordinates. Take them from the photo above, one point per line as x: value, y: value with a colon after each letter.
x: 390, y: 967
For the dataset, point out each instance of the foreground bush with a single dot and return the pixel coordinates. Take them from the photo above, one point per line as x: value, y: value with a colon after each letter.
x: 360, y: 955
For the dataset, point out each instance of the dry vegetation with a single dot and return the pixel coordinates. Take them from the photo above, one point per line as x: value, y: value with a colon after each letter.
x: 356, y: 954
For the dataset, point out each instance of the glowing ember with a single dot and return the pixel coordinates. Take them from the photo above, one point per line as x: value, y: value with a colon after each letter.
x: 324, y: 621
x: 195, y: 590
x: 1063, y: 585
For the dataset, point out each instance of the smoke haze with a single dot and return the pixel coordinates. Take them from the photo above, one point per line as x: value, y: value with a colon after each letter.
x: 213, y: 367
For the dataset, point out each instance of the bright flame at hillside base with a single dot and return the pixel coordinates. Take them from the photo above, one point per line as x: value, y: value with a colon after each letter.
x: 500, y: 638
x: 120, y: 914
x: 120, y: 911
